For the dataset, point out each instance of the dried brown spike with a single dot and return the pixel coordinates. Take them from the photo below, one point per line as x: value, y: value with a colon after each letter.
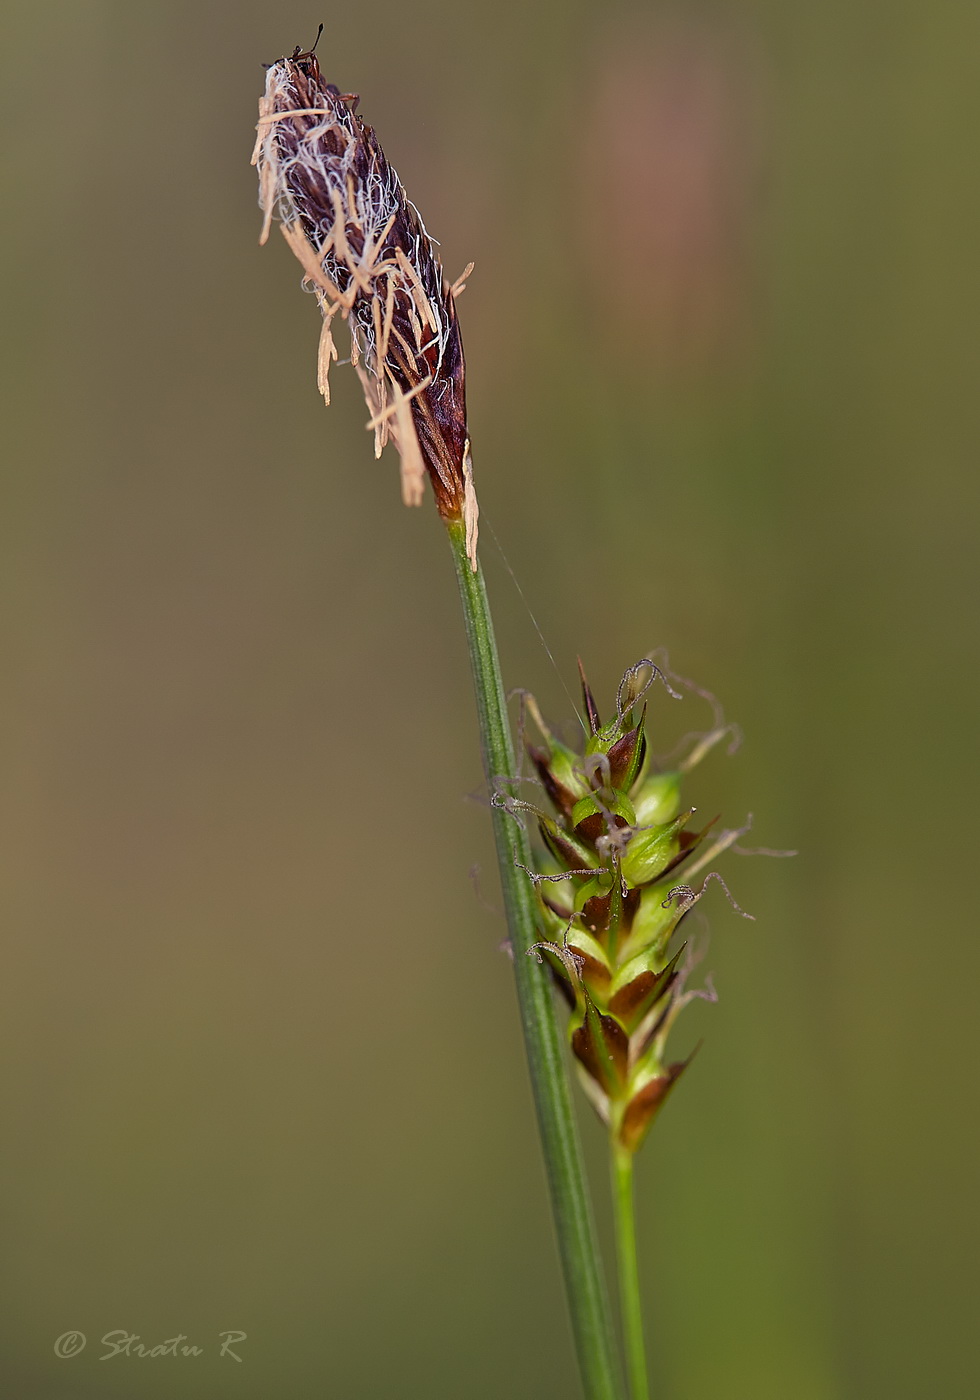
x: 366, y: 254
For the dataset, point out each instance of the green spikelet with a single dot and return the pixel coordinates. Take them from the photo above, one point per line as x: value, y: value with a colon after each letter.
x: 614, y: 889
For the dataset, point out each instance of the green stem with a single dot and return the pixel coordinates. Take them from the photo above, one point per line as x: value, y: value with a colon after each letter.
x: 629, y: 1278
x: 559, y: 1139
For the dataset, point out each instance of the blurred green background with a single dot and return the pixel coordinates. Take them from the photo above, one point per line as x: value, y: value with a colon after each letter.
x: 262, y: 1067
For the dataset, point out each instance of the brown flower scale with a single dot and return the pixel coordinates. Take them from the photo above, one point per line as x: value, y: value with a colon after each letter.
x: 614, y: 890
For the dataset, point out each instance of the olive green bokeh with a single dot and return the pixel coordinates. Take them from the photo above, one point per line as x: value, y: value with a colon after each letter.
x: 263, y: 1062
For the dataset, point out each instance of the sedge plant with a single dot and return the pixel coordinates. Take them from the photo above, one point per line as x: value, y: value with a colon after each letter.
x: 595, y: 913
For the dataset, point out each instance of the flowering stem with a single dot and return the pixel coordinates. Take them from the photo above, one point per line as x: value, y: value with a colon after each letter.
x: 629, y: 1278
x: 559, y: 1139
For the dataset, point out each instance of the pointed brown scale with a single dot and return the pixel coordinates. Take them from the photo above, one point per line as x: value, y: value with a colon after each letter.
x: 600, y: 1044
x: 646, y: 1103
x: 597, y: 824
x: 589, y: 701
x: 561, y: 798
x: 628, y: 1000
x: 603, y: 916
x: 626, y: 757
x: 593, y: 815
x: 564, y: 848
x: 596, y: 912
x: 632, y: 1002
